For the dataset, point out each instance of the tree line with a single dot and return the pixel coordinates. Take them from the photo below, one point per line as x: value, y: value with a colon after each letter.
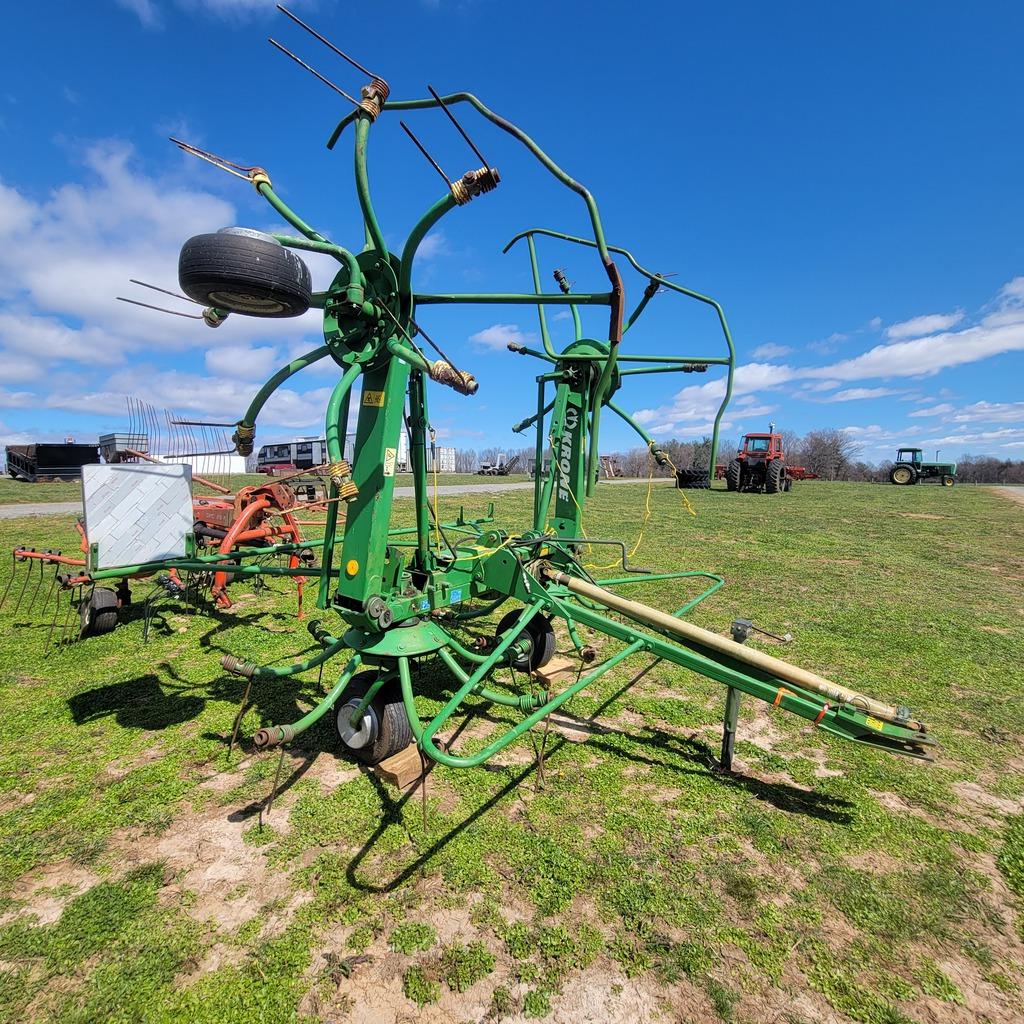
x: 831, y: 454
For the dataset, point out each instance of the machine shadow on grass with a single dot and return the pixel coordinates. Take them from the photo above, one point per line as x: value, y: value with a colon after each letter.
x: 698, y: 756
x: 164, y: 698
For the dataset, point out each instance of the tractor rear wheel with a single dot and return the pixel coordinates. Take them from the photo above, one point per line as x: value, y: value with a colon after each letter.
x: 903, y: 475
x: 244, y: 271
x: 98, y: 615
x: 948, y: 481
x: 384, y: 729
x: 734, y: 475
x: 775, y: 477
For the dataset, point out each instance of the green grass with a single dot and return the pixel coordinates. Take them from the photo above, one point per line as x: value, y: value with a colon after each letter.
x: 871, y: 883
x: 19, y: 492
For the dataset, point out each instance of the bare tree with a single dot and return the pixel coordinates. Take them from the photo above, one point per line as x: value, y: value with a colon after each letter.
x: 829, y: 452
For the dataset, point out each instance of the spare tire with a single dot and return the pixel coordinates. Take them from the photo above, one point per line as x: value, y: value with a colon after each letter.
x: 244, y: 271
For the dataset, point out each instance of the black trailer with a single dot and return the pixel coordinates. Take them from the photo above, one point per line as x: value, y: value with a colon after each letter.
x: 34, y: 462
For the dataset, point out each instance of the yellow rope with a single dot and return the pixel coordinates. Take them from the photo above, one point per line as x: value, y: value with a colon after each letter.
x: 643, y: 525
x: 682, y: 494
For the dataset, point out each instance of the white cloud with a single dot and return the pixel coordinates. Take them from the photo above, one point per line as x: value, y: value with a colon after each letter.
x: 854, y: 394
x: 499, y: 336
x: 916, y: 357
x: 769, y: 350
x: 990, y: 412
x: 148, y: 12
x: 145, y: 10
x: 435, y: 244
x: 927, y: 324
x: 242, y: 361
x: 934, y: 410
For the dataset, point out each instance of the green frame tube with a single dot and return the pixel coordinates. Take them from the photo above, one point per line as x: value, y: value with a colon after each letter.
x: 273, y: 735
x: 373, y: 229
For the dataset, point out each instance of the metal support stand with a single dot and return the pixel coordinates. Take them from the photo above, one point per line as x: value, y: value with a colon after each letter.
x: 732, y: 714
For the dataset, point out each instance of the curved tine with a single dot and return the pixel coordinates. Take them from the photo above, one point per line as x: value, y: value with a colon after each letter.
x: 316, y: 35
x: 176, y: 295
x: 160, y: 309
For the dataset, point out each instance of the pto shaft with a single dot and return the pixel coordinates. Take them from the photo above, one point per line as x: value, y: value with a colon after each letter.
x: 712, y: 641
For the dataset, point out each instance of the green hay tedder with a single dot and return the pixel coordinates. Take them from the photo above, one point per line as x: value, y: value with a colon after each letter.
x: 402, y: 596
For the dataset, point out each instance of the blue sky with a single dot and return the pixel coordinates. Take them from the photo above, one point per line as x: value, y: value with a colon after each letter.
x: 845, y: 179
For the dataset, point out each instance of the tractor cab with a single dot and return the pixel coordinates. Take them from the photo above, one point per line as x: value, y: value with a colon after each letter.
x: 760, y: 446
x: 911, y: 455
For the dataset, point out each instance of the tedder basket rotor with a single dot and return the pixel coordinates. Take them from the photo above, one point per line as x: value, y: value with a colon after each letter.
x: 402, y: 594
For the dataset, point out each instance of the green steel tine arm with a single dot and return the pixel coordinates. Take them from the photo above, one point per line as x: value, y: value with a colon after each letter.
x: 266, y: 190
x: 544, y: 336
x: 373, y: 231
x: 256, y: 405
x: 707, y: 300
x: 649, y: 293
x: 652, y: 445
x: 615, y: 326
x: 416, y: 236
x: 313, y: 241
x: 273, y: 735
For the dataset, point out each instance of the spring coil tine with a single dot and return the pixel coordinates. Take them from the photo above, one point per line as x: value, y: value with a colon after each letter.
x: 38, y: 586
x: 24, y: 587
x: 53, y: 624
x: 67, y: 618
x: 10, y: 581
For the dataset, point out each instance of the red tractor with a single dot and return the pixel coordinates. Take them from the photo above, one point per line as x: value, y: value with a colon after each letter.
x: 760, y: 465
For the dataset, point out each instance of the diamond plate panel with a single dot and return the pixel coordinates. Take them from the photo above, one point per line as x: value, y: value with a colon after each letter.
x: 137, y: 513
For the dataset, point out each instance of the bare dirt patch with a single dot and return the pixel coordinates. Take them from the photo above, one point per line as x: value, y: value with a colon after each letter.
x: 920, y: 515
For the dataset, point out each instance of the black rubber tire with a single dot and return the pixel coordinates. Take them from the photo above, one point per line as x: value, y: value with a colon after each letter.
x: 775, y: 477
x: 903, y: 475
x: 98, y: 615
x: 692, y: 478
x: 734, y: 475
x: 542, y: 640
x: 789, y: 484
x: 393, y: 730
x: 947, y: 480
x: 244, y: 273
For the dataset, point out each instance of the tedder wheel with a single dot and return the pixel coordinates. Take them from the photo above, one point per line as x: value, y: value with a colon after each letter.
x: 98, y: 615
x: 902, y: 475
x: 775, y: 478
x: 948, y: 481
x: 541, y: 636
x: 734, y: 475
x: 244, y: 271
x: 385, y: 727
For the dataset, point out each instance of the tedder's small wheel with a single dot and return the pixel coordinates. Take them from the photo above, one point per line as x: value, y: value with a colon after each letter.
x: 98, y: 615
x: 541, y: 641
x: 734, y: 475
x: 948, y: 481
x: 902, y: 475
x: 774, y: 480
x: 384, y: 729
x: 788, y: 484
x: 244, y: 271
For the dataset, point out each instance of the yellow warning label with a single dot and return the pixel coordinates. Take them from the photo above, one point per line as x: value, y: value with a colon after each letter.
x: 390, y: 458
x: 873, y: 723
x: 375, y: 398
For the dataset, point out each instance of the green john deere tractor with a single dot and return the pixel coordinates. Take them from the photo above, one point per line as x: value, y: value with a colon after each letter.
x: 909, y: 468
